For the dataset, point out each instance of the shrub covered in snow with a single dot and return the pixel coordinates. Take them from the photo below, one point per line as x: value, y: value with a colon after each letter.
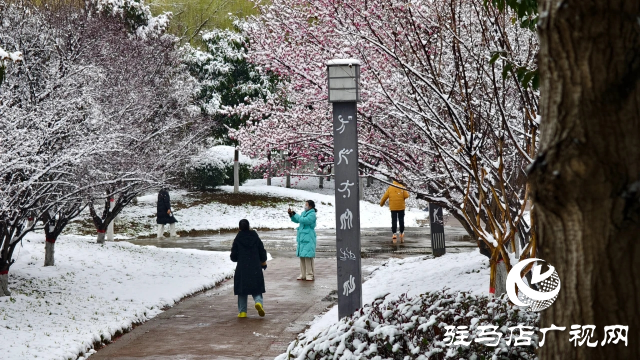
x: 137, y: 16
x: 10, y: 57
x: 214, y: 167
x: 414, y: 328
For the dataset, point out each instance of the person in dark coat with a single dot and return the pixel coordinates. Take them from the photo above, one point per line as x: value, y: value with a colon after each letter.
x: 248, y: 251
x: 165, y: 215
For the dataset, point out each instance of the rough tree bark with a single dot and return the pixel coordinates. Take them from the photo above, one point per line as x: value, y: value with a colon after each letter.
x: 4, y: 284
x: 501, y: 279
x: 586, y: 179
x: 110, y: 227
x: 111, y: 210
x: 100, y: 237
x: 49, y: 252
x: 51, y: 235
x: 55, y: 222
x: 8, y: 243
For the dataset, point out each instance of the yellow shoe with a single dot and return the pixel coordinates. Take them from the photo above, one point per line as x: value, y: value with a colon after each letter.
x: 260, y: 310
x: 402, y: 238
x: 242, y: 315
x: 393, y: 239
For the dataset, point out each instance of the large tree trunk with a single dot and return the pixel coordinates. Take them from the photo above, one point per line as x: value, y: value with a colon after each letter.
x: 586, y: 179
x: 110, y: 227
x: 49, y: 251
x: 100, y: 239
x: 110, y: 230
x: 501, y: 279
x: 4, y: 284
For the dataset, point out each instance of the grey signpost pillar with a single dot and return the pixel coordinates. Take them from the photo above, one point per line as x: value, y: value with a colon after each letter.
x: 344, y: 94
x: 269, y: 167
x: 287, y: 169
x: 236, y: 171
x: 437, y: 230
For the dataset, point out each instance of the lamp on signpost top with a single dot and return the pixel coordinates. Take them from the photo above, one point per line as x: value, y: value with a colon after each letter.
x: 344, y: 93
x: 344, y: 80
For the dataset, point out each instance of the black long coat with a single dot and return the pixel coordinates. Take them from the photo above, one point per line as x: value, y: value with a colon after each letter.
x: 164, y: 204
x: 248, y: 251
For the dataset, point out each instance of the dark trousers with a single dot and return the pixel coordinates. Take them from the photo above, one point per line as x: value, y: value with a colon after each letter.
x: 395, y: 216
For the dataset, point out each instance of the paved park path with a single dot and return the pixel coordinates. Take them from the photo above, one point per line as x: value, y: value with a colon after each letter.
x: 206, y: 326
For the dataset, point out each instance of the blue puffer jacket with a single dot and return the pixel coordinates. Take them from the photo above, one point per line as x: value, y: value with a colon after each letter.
x: 306, y: 233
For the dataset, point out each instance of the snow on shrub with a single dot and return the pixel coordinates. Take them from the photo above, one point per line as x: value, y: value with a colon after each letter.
x: 218, y: 156
x: 11, y: 57
x: 137, y: 15
x: 414, y: 328
x: 214, y: 167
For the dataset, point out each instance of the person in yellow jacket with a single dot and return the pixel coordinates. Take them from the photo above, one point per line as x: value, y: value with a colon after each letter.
x: 396, y: 194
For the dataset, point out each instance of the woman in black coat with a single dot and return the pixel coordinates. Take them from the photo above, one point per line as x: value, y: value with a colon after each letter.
x: 165, y: 215
x: 248, y: 251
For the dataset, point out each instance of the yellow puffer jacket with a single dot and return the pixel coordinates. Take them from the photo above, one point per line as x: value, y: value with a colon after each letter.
x: 396, y: 197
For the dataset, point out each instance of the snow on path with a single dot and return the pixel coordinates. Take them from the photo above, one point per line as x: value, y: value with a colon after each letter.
x: 468, y: 271
x: 93, y: 291
x: 215, y: 216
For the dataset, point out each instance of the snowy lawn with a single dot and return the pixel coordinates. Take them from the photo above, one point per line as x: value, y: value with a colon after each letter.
x: 95, y: 292
x: 197, y: 211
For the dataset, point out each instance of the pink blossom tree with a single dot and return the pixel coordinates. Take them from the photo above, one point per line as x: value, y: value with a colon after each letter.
x: 448, y: 102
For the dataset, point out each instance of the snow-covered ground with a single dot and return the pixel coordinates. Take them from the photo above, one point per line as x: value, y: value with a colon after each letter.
x: 216, y: 215
x: 417, y: 275
x: 448, y: 290
x: 94, y: 291
x: 97, y: 291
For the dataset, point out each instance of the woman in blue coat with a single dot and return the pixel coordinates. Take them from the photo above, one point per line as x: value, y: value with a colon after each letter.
x: 306, y: 239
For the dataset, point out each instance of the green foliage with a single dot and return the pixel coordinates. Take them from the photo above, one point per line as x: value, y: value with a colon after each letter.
x: 527, y: 13
x: 134, y: 15
x: 526, y: 10
x: 525, y: 76
x: 134, y: 12
x: 208, y: 176
x: 244, y: 173
x: 227, y: 79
